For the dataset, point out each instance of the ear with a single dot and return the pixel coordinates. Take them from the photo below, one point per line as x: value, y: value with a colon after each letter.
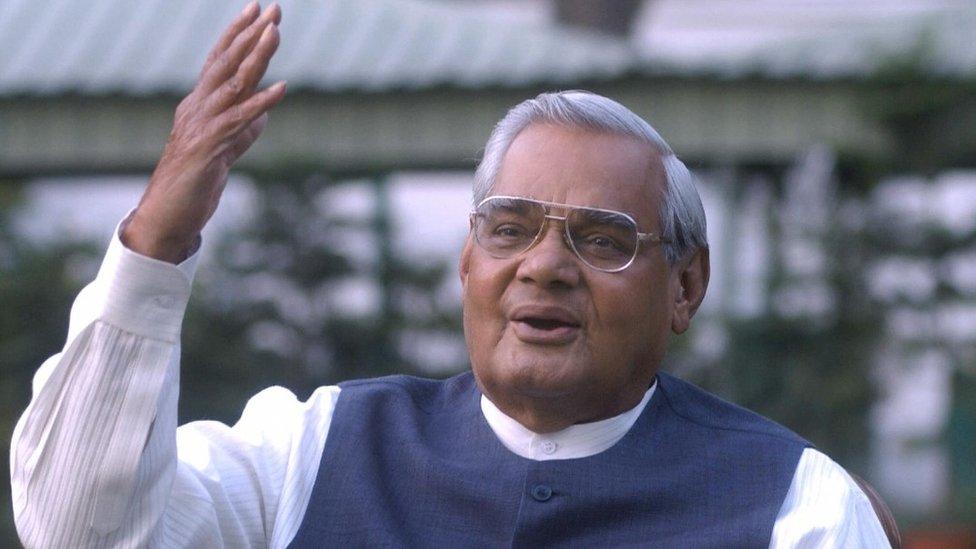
x: 692, y: 277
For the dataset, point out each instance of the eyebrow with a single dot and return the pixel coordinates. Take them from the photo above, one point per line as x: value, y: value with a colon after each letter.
x: 511, y: 204
x: 612, y: 218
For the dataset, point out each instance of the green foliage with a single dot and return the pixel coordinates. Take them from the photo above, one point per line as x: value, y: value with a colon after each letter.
x: 962, y: 447
x: 814, y: 380
x: 813, y: 373
x: 262, y: 317
x: 930, y: 117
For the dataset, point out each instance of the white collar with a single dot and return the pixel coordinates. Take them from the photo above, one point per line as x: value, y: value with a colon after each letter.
x: 576, y: 441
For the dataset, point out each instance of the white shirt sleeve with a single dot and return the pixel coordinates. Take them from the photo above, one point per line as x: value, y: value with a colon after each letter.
x: 825, y: 508
x: 97, y: 460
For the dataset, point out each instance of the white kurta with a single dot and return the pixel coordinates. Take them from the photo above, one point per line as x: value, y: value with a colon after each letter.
x: 97, y: 459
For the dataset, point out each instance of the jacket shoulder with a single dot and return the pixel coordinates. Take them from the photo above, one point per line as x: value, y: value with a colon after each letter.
x: 709, y: 411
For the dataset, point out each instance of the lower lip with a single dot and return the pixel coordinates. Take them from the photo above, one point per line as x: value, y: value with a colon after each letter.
x: 556, y: 336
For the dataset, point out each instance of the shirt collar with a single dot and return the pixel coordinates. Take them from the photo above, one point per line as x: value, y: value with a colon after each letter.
x: 576, y: 441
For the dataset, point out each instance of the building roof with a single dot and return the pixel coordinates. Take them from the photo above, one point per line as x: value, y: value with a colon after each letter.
x: 158, y: 46
x: 818, y: 39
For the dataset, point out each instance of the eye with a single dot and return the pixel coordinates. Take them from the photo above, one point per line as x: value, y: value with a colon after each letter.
x: 509, y: 230
x: 603, y: 242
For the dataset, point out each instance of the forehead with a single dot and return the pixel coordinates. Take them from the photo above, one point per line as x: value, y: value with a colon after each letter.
x: 584, y: 168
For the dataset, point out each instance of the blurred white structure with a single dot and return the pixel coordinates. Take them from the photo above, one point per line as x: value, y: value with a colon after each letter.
x: 799, y: 38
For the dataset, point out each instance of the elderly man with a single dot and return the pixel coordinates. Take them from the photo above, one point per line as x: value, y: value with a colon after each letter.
x: 587, y: 250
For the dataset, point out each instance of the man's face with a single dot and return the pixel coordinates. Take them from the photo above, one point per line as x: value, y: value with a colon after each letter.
x: 612, y: 328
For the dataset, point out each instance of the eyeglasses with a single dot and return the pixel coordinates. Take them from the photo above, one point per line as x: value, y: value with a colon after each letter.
x: 608, y: 241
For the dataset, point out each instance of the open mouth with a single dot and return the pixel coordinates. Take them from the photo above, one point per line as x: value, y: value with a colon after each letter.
x: 547, y: 323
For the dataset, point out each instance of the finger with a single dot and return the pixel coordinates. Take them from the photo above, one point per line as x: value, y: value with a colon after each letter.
x: 226, y: 63
x: 241, y: 22
x: 255, y: 65
x: 246, y: 138
x: 240, y: 116
x: 242, y: 85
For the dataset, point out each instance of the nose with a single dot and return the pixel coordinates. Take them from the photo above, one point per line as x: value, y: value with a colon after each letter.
x: 550, y: 262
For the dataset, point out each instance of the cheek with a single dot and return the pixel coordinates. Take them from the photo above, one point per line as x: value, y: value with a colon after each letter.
x: 481, y: 302
x: 633, y: 319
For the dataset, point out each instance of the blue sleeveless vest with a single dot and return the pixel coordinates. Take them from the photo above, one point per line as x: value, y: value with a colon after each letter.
x: 413, y: 463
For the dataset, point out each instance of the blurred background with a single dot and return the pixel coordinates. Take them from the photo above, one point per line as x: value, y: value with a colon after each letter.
x: 835, y: 143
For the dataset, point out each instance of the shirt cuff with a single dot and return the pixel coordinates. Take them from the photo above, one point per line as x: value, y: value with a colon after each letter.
x: 142, y: 295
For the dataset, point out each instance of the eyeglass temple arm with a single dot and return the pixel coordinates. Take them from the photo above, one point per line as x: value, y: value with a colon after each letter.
x: 644, y: 237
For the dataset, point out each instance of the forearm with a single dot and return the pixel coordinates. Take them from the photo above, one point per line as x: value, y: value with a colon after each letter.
x: 94, y: 458
x: 87, y: 443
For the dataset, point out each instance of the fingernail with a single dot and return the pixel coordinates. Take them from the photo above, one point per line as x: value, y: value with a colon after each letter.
x: 272, y: 15
x: 249, y: 7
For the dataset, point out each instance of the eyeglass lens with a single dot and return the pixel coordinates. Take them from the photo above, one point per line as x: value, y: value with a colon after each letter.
x: 505, y: 227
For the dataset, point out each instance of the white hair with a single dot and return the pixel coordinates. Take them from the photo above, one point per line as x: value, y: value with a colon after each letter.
x: 682, y: 214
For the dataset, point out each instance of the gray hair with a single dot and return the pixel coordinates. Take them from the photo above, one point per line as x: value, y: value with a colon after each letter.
x: 682, y: 214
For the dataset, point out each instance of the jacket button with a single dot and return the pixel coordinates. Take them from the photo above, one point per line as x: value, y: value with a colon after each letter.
x: 541, y: 492
x: 549, y: 447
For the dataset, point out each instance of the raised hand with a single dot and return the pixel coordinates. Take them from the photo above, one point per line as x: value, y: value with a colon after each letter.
x: 213, y: 126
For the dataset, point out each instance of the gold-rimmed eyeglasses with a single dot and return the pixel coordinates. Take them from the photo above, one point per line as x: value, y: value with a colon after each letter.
x: 606, y: 240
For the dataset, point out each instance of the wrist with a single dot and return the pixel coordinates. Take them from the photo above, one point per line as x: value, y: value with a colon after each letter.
x: 139, y: 236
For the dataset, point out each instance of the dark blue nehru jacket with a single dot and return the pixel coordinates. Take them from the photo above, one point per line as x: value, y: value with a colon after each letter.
x: 413, y: 463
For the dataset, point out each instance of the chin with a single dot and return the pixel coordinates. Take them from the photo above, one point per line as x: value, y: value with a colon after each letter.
x: 548, y: 376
